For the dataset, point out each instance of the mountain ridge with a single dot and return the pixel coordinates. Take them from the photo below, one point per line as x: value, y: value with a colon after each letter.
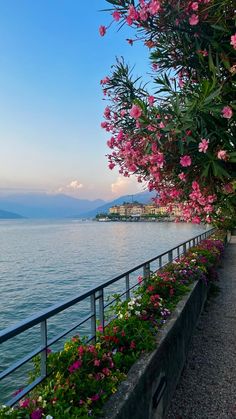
x: 33, y: 205
x: 141, y: 197
x: 7, y: 215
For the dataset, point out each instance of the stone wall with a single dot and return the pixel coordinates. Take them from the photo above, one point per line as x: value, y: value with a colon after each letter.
x: 152, y: 380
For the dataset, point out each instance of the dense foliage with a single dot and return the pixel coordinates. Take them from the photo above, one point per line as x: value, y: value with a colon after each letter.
x: 180, y: 139
x: 83, y: 376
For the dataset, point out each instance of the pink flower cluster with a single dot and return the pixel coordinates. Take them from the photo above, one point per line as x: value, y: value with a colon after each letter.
x: 144, y: 140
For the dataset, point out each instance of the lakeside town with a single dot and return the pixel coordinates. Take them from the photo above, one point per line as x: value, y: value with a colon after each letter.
x: 136, y: 211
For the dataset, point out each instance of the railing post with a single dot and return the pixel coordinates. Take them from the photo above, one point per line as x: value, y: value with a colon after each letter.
x: 127, y: 286
x: 93, y: 317
x: 101, y: 307
x: 184, y: 248
x: 178, y: 252
x: 43, y: 354
x: 170, y: 256
x: 160, y: 262
x: 146, y: 271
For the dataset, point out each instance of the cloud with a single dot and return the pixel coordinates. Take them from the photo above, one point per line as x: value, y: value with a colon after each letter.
x: 75, y: 185
x: 124, y: 185
x: 72, y: 187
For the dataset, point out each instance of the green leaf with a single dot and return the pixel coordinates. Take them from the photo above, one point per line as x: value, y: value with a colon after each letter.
x: 219, y: 28
x: 212, y: 96
x: 206, y: 170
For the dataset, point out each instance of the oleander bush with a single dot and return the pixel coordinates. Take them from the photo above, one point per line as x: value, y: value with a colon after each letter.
x: 83, y: 376
x: 175, y: 130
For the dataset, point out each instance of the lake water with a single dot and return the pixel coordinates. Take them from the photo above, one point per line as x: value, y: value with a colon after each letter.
x: 45, y: 262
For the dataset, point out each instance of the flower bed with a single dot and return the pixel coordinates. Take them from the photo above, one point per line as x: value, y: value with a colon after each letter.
x: 83, y: 375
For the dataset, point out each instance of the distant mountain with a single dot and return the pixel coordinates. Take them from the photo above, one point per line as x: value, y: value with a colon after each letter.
x: 142, y: 198
x: 6, y: 215
x: 34, y: 205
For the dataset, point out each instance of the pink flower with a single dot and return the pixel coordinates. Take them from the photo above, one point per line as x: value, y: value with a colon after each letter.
x: 203, y: 145
x: 193, y: 20
x: 106, y: 371
x: 228, y: 188
x: 77, y: 364
x: 95, y: 397
x: 120, y: 135
x: 135, y: 112
x: 116, y: 15
x: 132, y: 14
x: 151, y: 100
x: 227, y: 112
x: 154, y: 7
x: 100, y: 328
x: 233, y: 41
x: 194, y: 6
x: 107, y: 112
x: 80, y: 350
x: 222, y: 155
x: 130, y: 41
x: 208, y: 208
x: 102, y: 30
x: 132, y: 345
x: 185, y: 161
x: 182, y: 177
x: 196, y: 220
x: 97, y: 362
x: 140, y: 279
x: 24, y: 403
x: 111, y: 166
x: 36, y: 414
x: 155, y: 66
x: 143, y: 14
x: 195, y: 185
x: 105, y: 80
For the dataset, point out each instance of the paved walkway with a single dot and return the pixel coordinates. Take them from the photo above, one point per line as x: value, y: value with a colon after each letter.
x: 207, y: 388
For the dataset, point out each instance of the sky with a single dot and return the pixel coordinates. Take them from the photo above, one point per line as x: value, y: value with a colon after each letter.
x: 52, y: 59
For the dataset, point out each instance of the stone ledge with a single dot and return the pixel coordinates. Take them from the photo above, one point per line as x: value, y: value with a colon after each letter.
x: 151, y: 382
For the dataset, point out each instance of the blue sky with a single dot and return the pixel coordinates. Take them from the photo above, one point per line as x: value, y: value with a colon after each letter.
x: 51, y: 62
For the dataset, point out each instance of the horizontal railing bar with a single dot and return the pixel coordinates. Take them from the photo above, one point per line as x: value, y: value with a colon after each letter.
x: 117, y: 298
x: 61, y: 335
x: 26, y: 390
x: 37, y: 351
x: 33, y: 320
x: 21, y: 362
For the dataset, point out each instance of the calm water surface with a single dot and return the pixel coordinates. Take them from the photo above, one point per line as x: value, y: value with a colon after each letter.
x: 45, y: 262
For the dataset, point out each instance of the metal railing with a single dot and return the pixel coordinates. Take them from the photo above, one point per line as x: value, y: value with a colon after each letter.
x: 97, y: 313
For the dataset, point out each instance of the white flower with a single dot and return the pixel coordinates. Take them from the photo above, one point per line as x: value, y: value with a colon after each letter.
x: 49, y: 417
x: 40, y: 399
x: 137, y: 313
x: 120, y: 316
